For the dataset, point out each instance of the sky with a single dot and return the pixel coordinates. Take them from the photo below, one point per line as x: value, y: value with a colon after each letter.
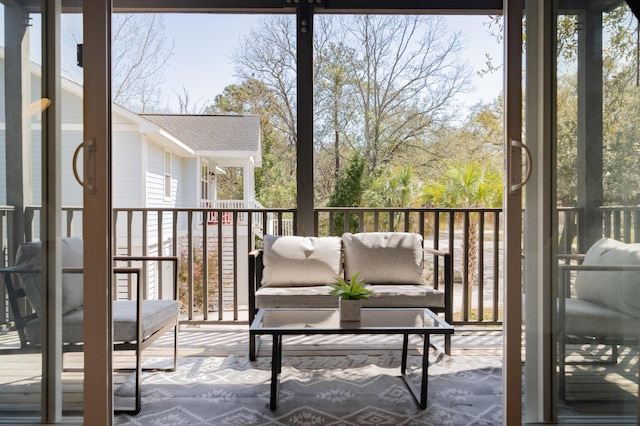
x: 201, y: 61
x: 202, y: 45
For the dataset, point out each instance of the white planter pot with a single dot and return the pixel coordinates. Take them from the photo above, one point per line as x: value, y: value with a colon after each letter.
x: 350, y: 309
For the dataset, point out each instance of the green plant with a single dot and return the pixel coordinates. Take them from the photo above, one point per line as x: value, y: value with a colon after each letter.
x: 355, y: 289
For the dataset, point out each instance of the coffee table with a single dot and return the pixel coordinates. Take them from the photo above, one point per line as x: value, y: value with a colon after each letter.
x: 403, y: 321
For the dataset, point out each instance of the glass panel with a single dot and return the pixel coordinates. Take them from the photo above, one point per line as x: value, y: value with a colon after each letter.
x: 598, y: 98
x: 29, y: 146
x: 20, y: 139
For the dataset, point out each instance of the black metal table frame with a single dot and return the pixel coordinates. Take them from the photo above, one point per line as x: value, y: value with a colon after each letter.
x: 419, y: 393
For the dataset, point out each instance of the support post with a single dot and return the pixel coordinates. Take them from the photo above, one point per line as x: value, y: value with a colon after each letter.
x: 305, y: 203
x: 590, y: 146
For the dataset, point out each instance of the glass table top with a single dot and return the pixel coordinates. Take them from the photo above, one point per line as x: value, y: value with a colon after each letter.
x: 388, y: 320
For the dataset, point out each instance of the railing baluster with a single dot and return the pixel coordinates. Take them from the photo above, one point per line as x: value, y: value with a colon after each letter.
x: 627, y: 226
x: 235, y: 265
x: 205, y: 265
x: 466, y: 296
x: 220, y: 261
x: 480, y: 266
x: 190, y: 295
x: 496, y: 266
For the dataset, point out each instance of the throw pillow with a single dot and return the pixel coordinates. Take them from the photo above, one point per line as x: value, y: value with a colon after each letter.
x: 300, y: 261
x: 384, y: 257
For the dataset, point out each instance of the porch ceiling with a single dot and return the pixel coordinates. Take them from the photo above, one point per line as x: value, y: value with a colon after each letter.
x: 451, y: 7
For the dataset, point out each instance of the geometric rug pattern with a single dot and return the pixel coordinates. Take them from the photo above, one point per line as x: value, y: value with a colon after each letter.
x: 323, y: 390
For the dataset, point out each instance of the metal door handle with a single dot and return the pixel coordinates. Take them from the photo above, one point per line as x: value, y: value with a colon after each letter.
x: 89, y: 167
x: 516, y: 186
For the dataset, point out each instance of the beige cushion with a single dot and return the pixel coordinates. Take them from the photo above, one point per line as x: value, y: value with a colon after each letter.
x: 384, y: 257
x: 384, y: 296
x: 301, y: 261
x: 155, y: 315
x: 619, y: 290
x: 586, y: 318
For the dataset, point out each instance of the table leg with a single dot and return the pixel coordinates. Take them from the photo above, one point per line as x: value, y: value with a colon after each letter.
x: 419, y: 393
x: 276, y: 362
x: 405, y: 350
x: 425, y: 372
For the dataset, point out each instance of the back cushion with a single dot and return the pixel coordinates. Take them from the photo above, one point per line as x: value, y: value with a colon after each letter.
x: 619, y: 290
x: 28, y: 258
x: 301, y: 261
x: 384, y: 257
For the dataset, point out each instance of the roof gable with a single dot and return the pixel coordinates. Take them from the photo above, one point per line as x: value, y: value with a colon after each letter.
x: 207, y: 133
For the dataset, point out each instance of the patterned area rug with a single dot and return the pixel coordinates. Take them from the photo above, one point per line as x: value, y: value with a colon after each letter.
x: 351, y: 390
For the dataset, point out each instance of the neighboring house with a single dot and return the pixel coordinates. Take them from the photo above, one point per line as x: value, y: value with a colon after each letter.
x: 158, y: 161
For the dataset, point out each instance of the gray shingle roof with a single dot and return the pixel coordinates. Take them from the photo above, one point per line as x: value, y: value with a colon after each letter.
x: 212, y: 132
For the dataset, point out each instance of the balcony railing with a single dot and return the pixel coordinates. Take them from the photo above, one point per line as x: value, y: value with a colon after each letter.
x: 213, y: 253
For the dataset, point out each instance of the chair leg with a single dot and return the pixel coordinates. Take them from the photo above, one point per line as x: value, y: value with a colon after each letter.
x: 254, y: 343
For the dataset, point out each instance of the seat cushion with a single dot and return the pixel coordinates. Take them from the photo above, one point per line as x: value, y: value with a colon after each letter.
x: 618, y: 290
x: 155, y: 315
x: 301, y: 261
x: 586, y: 318
x: 387, y: 296
x: 29, y: 259
x: 384, y: 257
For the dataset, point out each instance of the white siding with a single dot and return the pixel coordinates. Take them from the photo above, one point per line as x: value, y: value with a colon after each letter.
x: 128, y: 170
x: 188, y: 189
x: 155, y: 177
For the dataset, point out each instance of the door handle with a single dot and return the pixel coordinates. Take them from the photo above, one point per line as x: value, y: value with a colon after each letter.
x: 89, y: 166
x: 518, y: 146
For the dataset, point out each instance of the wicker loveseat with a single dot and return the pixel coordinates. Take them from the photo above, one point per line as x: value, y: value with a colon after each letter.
x: 295, y: 272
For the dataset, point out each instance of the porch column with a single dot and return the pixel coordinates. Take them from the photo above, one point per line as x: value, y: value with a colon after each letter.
x: 590, y: 147
x: 304, y: 44
x: 249, y: 187
x: 17, y: 89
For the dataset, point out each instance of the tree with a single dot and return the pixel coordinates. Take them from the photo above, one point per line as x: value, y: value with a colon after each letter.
x: 139, y: 57
x: 393, y: 188
x: 186, y: 105
x: 268, y: 54
x: 140, y: 53
x: 383, y: 84
x: 621, y: 128
x: 407, y: 71
x: 466, y: 185
x: 273, y: 181
x: 348, y: 192
x: 335, y: 101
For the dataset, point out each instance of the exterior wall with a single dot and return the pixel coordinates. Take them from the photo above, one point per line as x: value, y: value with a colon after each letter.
x: 155, y: 177
x: 188, y: 194
x: 128, y: 169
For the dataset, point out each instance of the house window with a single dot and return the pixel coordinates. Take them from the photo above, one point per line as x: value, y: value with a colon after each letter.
x: 167, y: 175
x: 204, y: 181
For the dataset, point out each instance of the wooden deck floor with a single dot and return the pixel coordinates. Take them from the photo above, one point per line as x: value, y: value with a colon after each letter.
x: 589, y: 388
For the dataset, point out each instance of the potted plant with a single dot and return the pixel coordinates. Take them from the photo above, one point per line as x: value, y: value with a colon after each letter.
x: 350, y: 296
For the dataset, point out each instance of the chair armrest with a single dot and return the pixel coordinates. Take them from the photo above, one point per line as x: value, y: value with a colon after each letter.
x: 255, y: 279
x: 448, y: 278
x: 160, y: 259
x: 566, y: 269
